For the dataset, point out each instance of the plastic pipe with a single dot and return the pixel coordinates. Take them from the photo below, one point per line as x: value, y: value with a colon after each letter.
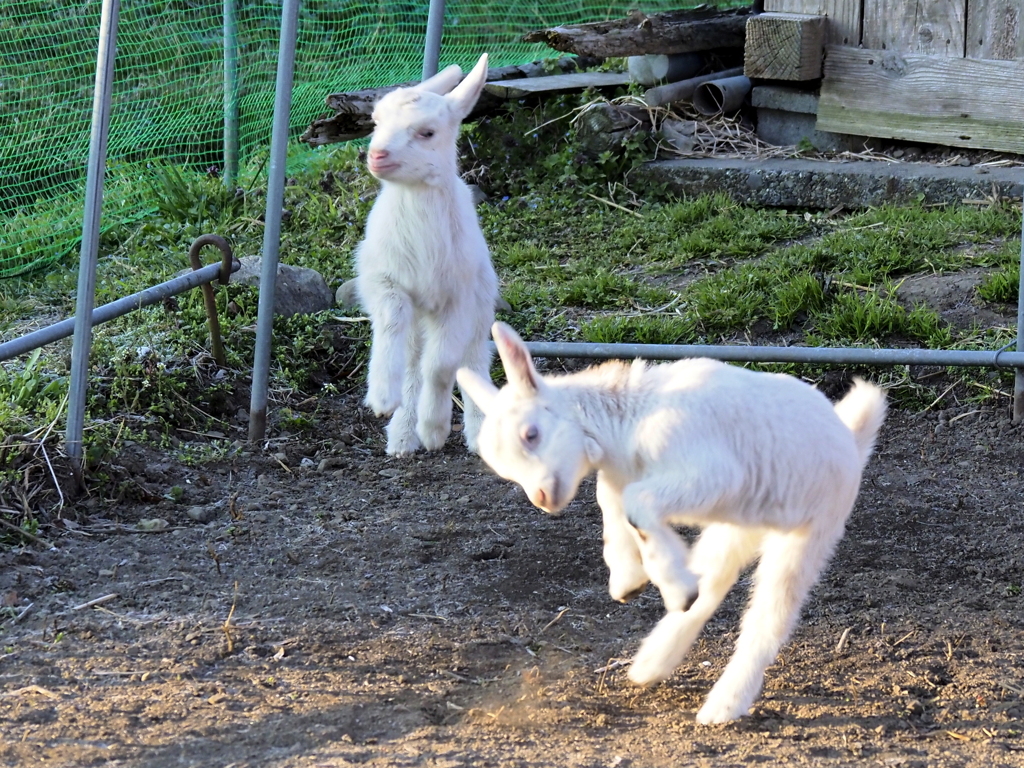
x: 683, y: 90
x: 721, y: 96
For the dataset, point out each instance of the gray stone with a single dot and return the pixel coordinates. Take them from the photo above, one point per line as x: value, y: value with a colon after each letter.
x: 347, y: 297
x: 798, y: 183
x: 299, y: 290
x: 202, y: 514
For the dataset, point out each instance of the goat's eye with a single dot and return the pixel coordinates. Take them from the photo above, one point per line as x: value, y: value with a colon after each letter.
x: 426, y: 133
x: 530, y: 435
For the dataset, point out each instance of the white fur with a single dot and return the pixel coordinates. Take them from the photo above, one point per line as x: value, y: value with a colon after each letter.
x: 763, y: 463
x: 423, y: 271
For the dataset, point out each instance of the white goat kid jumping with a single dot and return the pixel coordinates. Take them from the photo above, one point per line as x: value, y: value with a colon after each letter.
x: 423, y: 271
x: 763, y: 463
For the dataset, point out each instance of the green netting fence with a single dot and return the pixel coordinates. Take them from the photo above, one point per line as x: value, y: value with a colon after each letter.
x: 169, y: 81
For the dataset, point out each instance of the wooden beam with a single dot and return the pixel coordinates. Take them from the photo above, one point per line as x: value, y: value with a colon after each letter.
x: 578, y: 81
x: 784, y: 46
x: 844, y: 17
x: 702, y: 29
x: 994, y: 29
x: 941, y: 100
x: 935, y: 27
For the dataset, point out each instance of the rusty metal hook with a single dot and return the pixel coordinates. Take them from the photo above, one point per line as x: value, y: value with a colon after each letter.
x: 226, y: 268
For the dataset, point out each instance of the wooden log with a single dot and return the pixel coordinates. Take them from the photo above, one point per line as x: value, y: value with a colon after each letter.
x: 784, y: 46
x: 935, y: 27
x: 994, y: 29
x: 683, y: 90
x: 915, y: 97
x: 844, y: 17
x: 353, y: 108
x: 701, y: 29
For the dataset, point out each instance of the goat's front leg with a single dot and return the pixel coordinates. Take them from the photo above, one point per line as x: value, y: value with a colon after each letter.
x: 391, y: 316
x: 626, y: 575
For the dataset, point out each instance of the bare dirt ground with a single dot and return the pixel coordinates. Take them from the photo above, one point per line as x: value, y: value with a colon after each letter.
x: 341, y: 607
x: 316, y: 603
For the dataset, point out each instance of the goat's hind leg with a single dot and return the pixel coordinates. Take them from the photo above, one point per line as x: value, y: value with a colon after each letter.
x: 444, y: 346
x: 478, y: 359
x: 718, y: 556
x: 790, y: 565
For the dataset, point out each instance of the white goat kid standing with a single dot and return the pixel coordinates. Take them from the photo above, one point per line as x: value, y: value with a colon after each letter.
x: 423, y: 271
x: 763, y: 463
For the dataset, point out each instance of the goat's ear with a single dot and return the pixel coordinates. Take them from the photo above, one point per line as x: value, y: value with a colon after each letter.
x: 443, y: 81
x: 480, y: 390
x: 463, y: 98
x: 516, y: 359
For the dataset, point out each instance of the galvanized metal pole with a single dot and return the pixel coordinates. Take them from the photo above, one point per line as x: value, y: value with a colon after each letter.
x: 272, y: 225
x: 432, y: 39
x: 91, y: 229
x: 230, y: 93
x: 813, y: 355
x: 1018, y: 379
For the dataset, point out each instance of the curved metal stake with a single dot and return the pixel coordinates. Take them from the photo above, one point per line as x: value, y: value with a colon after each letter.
x: 209, y: 300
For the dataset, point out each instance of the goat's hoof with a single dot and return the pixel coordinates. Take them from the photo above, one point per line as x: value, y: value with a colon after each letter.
x: 433, y: 438
x: 716, y: 713
x: 632, y: 595
x: 403, y: 445
x: 382, y: 405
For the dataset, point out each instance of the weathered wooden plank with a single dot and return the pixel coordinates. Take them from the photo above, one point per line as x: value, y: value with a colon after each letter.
x: 942, y: 100
x: 702, y: 29
x: 935, y: 27
x: 994, y: 29
x: 352, y: 109
x: 844, y: 17
x: 578, y: 81
x: 784, y: 46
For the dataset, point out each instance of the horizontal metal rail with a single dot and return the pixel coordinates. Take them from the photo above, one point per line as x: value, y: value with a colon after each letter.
x: 144, y: 298
x: 1003, y: 358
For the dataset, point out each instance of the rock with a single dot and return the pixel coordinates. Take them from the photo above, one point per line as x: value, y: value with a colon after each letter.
x: 347, y: 297
x: 202, y: 514
x: 299, y: 290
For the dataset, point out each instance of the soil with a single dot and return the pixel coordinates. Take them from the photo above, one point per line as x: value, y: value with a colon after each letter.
x: 317, y: 603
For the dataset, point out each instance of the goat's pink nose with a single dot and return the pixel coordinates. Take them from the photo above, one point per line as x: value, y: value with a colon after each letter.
x: 378, y: 154
x: 542, y: 498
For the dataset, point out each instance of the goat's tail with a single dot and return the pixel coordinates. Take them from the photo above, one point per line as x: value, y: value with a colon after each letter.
x: 863, y: 411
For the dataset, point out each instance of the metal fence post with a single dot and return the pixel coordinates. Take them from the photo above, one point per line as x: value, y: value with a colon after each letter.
x: 88, y: 254
x: 272, y: 226
x: 1018, y: 379
x: 432, y: 39
x: 230, y: 93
